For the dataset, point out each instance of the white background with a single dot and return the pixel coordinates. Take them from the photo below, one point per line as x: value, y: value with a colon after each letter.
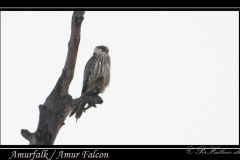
x: 174, y: 76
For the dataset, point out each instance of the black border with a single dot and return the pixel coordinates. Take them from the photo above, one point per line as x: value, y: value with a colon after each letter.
x: 119, y: 146
x: 0, y: 80
x: 129, y: 151
x: 120, y: 8
x: 122, y: 3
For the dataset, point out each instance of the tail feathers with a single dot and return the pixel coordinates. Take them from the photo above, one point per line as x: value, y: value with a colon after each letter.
x: 90, y: 97
x: 78, y: 110
x: 73, y: 111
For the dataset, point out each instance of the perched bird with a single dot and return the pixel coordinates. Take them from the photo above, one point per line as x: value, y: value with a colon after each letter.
x: 96, y: 79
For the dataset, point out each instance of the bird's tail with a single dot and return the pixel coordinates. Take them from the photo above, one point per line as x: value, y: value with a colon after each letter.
x: 78, y: 110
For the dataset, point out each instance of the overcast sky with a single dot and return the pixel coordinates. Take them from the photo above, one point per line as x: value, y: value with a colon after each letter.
x: 174, y: 76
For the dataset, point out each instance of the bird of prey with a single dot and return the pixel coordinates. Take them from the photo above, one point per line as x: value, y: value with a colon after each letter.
x: 96, y: 79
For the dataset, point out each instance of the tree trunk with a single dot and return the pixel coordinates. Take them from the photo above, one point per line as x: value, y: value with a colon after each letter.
x: 59, y: 103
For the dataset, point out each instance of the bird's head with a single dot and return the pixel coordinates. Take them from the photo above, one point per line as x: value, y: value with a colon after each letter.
x: 101, y: 49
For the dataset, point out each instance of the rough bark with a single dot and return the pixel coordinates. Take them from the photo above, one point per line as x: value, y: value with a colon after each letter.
x: 59, y: 103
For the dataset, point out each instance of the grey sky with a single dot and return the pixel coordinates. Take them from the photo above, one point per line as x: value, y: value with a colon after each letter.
x: 174, y: 76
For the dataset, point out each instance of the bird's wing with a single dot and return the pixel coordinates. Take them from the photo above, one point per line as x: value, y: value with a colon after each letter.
x: 87, y: 73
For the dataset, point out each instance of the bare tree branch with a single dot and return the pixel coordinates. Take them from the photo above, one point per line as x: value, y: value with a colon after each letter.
x: 59, y: 103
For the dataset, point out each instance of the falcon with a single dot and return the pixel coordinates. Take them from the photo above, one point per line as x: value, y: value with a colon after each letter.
x: 95, y: 80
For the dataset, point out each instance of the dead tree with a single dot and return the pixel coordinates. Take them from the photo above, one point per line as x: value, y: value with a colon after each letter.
x: 59, y: 103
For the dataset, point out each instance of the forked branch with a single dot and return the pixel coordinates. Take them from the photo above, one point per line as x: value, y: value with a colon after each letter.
x: 59, y: 103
